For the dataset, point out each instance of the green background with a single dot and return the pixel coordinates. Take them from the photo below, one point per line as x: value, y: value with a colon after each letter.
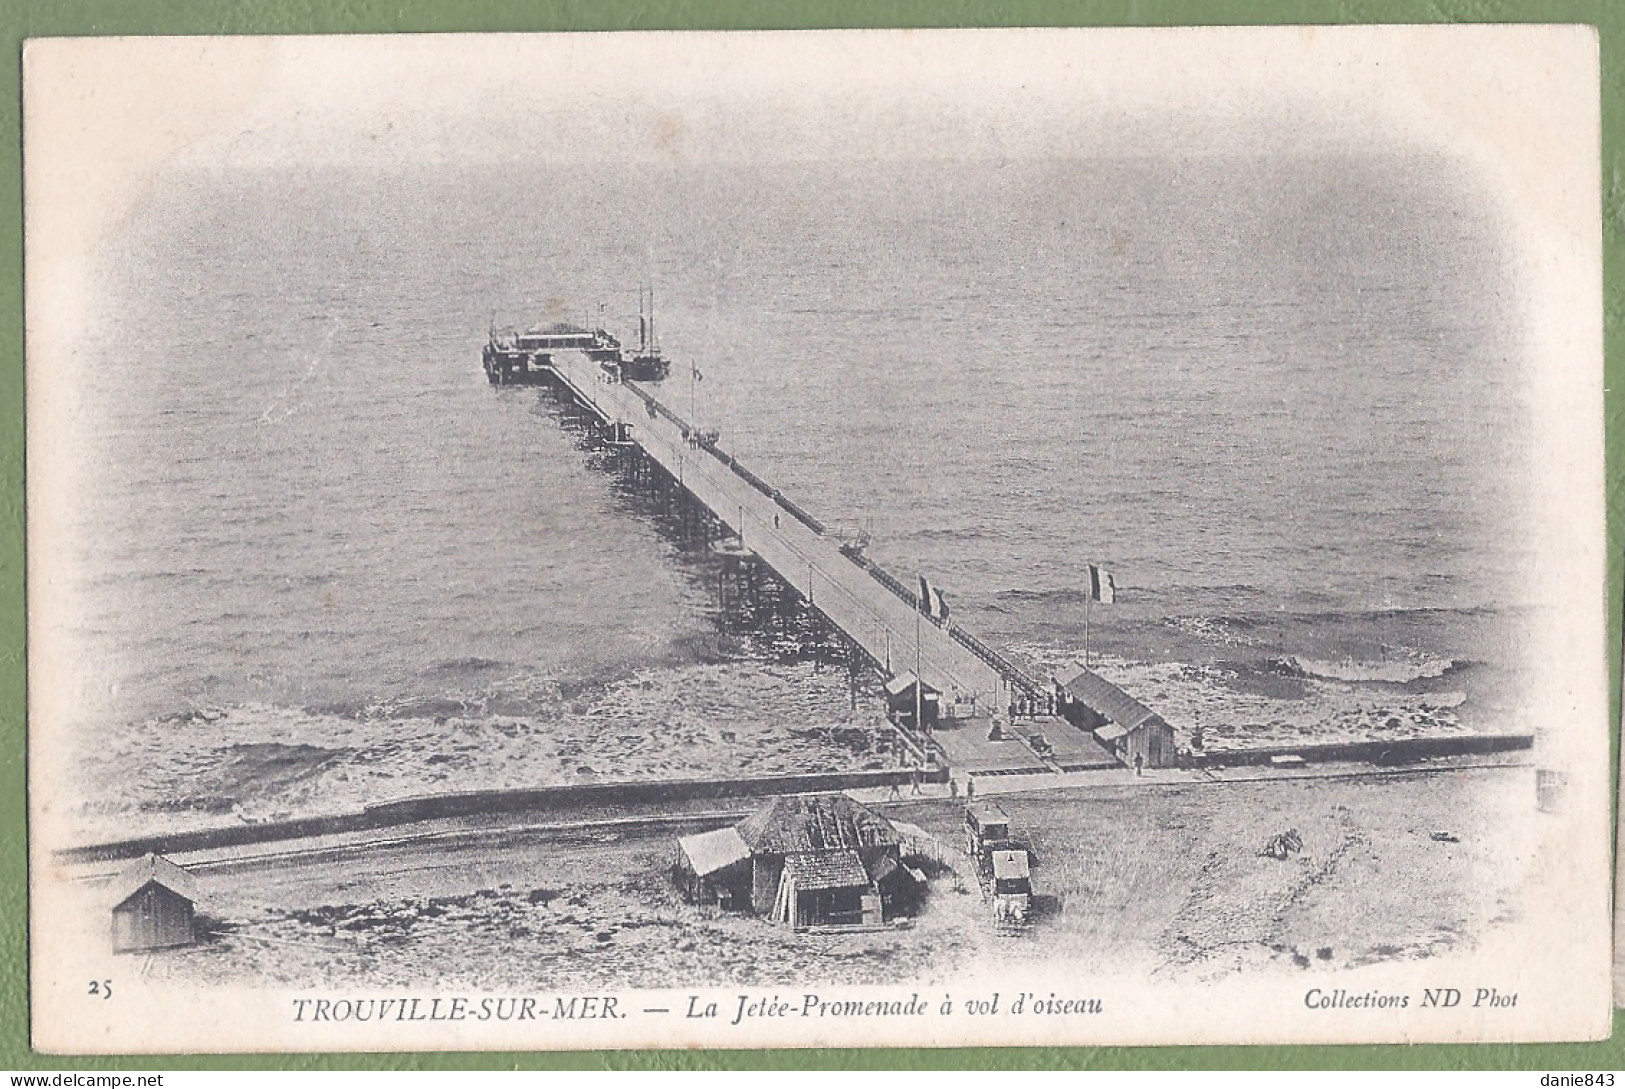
x: 20, y: 19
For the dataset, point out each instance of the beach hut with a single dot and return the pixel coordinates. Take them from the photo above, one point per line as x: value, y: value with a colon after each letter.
x: 714, y: 868
x: 825, y: 888
x: 1135, y: 734
x: 153, y: 906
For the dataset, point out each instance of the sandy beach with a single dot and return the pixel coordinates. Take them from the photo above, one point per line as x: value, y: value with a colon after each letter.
x: 1167, y: 879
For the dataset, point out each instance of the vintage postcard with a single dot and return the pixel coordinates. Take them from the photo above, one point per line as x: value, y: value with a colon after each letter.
x: 838, y: 538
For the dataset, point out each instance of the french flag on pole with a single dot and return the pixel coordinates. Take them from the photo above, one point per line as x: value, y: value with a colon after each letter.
x: 1101, y: 586
x: 932, y: 603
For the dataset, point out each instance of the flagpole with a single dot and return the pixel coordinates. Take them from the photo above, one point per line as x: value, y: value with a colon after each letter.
x: 1087, y: 598
x: 919, y: 685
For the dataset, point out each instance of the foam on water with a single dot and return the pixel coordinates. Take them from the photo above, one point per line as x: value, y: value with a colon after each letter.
x: 1414, y: 666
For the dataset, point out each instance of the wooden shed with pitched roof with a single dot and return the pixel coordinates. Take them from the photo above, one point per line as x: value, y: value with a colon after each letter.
x: 153, y: 906
x: 825, y: 888
x: 802, y: 824
x: 1134, y: 733
x: 714, y: 868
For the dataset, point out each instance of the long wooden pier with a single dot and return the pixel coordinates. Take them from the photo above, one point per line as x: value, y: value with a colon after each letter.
x: 873, y: 609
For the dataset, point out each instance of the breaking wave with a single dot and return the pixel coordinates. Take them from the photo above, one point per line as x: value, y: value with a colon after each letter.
x: 1399, y: 671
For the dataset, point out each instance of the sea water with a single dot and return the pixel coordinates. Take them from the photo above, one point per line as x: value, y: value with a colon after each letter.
x: 1279, y: 399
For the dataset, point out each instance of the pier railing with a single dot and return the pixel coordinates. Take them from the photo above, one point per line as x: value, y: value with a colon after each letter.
x: 813, y: 564
x: 731, y: 462
x: 1008, y: 669
x: 886, y: 579
x: 1012, y: 673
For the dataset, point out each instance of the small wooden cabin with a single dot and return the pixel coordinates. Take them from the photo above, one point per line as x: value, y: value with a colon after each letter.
x: 900, y: 701
x: 714, y: 868
x: 153, y: 907
x: 1135, y: 734
x: 901, y: 887
x: 802, y: 859
x: 799, y: 824
x: 825, y: 888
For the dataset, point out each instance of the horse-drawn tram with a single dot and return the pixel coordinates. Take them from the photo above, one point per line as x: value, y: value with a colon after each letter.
x: 1003, y: 864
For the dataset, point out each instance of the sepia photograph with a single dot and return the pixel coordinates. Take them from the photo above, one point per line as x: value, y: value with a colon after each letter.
x: 831, y: 538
